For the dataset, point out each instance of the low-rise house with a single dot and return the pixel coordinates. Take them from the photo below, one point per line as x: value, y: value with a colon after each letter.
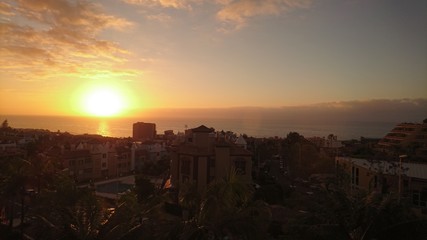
x: 79, y: 164
x: 326, y: 142
x: 123, y: 160
x: 10, y: 150
x: 149, y: 151
x: 405, y: 179
x: 94, y: 160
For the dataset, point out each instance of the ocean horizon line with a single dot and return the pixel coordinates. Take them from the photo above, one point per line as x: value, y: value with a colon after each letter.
x: 122, y: 127
x: 378, y: 110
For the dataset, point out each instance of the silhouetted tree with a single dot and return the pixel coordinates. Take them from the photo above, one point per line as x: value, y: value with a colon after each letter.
x: 227, y: 210
x: 365, y: 216
x: 127, y: 216
x: 5, y: 124
x: 68, y: 212
x: 13, y: 178
x: 189, y: 199
x: 143, y: 187
x: 293, y: 138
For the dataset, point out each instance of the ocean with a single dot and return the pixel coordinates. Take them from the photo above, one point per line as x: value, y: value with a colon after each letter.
x: 256, y: 127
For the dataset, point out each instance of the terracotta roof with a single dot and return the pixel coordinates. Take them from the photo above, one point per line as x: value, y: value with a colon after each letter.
x: 202, y: 128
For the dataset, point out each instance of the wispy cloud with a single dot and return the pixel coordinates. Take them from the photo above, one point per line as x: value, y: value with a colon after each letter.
x: 6, y: 9
x: 161, y: 17
x: 178, y: 4
x: 237, y: 13
x: 231, y: 14
x: 58, y: 36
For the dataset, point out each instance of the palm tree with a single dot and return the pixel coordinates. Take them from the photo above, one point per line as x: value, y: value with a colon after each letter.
x: 123, y: 219
x: 13, y: 176
x: 189, y: 199
x: 365, y: 216
x: 41, y: 171
x: 227, y: 210
x: 16, y: 176
x: 5, y: 124
x: 67, y: 212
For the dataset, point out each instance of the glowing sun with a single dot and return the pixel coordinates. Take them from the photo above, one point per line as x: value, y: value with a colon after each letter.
x: 103, y: 102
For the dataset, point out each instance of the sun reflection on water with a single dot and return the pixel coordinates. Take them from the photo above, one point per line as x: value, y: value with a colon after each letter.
x: 103, y: 129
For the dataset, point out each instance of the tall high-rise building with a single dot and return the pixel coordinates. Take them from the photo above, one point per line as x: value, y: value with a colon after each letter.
x: 144, y: 131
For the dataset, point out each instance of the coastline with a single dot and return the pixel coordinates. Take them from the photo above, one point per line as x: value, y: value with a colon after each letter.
x: 260, y: 127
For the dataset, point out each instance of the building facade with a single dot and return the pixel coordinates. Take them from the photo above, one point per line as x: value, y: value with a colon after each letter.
x: 406, y: 180
x: 94, y: 161
x: 410, y: 137
x: 204, y: 157
x: 143, y: 131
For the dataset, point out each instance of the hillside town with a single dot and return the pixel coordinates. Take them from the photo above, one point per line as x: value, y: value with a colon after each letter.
x: 206, y: 183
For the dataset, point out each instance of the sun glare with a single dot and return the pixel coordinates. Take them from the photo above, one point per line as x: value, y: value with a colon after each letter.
x: 103, y: 103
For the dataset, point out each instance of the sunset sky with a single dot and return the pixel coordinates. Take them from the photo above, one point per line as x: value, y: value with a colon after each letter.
x: 56, y: 55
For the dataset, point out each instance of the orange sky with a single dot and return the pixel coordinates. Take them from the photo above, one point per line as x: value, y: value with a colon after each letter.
x: 55, y: 55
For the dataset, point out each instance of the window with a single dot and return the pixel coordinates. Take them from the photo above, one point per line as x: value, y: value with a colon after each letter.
x: 185, y: 167
x: 195, y: 169
x: 375, y: 181
x: 423, y: 198
x: 210, y: 179
x: 240, y: 166
x: 185, y: 178
x: 212, y: 162
x: 357, y: 176
x: 104, y: 155
x: 352, y: 175
x: 419, y: 198
x: 416, y: 198
x: 104, y: 165
x: 405, y: 183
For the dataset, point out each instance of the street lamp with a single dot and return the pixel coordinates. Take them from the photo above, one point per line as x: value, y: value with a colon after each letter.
x: 400, y: 175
